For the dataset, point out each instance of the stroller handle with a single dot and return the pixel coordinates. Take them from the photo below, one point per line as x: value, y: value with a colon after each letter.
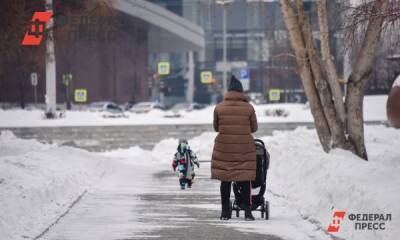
x: 260, y: 141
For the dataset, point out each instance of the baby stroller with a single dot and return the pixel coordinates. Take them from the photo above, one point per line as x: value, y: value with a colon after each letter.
x: 258, y: 201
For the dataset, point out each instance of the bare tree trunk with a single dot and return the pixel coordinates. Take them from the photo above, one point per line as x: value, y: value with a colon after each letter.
x: 336, y: 127
x: 333, y: 79
x: 358, y: 79
x: 304, y: 69
x: 338, y: 123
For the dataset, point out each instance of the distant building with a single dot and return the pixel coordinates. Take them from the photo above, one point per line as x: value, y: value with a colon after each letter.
x: 111, y: 62
x: 257, y: 41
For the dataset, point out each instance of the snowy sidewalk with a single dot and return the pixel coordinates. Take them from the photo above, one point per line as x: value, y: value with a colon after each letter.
x: 133, y: 203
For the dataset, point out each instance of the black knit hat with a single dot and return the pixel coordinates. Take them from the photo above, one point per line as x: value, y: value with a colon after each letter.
x: 235, y: 85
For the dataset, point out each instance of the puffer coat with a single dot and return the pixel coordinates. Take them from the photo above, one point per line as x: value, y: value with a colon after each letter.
x: 234, y: 153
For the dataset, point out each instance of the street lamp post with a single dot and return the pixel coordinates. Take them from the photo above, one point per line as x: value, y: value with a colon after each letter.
x: 224, y: 80
x: 50, y: 67
x: 224, y: 4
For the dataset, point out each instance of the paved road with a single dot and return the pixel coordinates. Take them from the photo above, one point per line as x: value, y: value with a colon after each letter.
x: 128, y: 206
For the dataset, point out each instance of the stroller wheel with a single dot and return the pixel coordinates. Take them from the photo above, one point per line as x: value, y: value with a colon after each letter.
x: 262, y: 210
x: 266, y: 210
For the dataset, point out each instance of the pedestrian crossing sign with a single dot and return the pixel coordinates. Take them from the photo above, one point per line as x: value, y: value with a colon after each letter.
x: 206, y: 77
x: 274, y: 95
x: 80, y: 95
x: 163, y: 68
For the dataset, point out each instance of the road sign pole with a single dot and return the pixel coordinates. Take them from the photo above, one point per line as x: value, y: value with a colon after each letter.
x: 68, y: 99
x: 35, y: 94
x: 67, y: 79
x: 34, y: 83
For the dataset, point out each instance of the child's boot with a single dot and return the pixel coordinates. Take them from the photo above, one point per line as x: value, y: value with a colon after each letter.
x: 182, y: 182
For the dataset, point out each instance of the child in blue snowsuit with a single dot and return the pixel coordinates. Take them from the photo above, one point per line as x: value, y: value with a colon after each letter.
x: 184, y: 161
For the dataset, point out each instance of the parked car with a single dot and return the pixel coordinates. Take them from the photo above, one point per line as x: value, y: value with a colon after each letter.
x: 188, y: 107
x: 99, y: 106
x: 256, y: 98
x: 145, y: 107
x: 110, y: 109
x: 127, y: 106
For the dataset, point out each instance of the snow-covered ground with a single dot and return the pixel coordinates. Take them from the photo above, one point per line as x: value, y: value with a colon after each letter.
x: 38, y: 182
x: 318, y: 183
x: 374, y: 110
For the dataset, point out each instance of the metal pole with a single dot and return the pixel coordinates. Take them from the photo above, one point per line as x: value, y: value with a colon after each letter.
x: 224, y: 74
x: 50, y: 67
x: 35, y: 94
x: 190, y: 76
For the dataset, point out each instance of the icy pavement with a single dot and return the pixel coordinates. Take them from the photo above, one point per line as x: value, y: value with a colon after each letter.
x: 130, y: 203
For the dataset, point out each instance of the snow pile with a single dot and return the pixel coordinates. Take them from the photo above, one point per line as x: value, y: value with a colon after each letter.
x: 38, y: 183
x: 318, y: 183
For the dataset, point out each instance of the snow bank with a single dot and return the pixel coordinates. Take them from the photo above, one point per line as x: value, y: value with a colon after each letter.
x: 318, y: 183
x: 374, y: 110
x: 38, y: 182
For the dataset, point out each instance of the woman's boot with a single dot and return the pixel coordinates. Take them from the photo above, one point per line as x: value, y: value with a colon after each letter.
x: 248, y: 216
x: 226, y: 212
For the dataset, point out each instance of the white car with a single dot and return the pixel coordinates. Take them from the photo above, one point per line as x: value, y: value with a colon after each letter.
x: 145, y: 107
x: 256, y: 98
x: 110, y: 109
x: 99, y: 106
